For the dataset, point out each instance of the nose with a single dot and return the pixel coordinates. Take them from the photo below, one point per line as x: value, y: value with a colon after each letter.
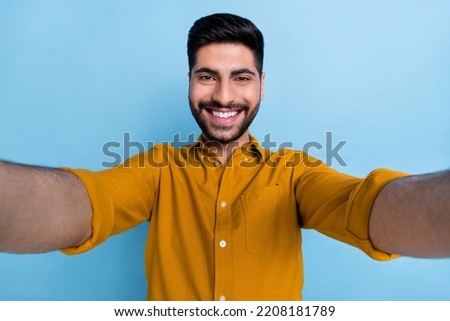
x: 224, y: 93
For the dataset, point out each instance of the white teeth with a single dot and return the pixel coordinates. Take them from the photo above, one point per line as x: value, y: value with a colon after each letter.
x: 224, y: 115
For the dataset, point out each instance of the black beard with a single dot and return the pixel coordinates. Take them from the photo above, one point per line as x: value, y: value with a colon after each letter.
x: 209, y: 132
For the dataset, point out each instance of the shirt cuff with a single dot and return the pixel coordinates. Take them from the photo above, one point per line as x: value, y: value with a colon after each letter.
x: 102, y: 224
x: 360, y: 208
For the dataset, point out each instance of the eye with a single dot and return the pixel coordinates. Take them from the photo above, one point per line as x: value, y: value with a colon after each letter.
x: 243, y: 79
x: 205, y: 78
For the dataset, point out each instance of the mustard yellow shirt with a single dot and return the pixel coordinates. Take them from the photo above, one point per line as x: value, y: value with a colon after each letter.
x: 229, y: 231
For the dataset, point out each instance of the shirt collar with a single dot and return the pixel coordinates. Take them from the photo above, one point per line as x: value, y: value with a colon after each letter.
x: 252, y: 146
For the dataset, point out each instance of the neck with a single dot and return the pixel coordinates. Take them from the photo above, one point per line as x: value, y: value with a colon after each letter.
x: 224, y: 151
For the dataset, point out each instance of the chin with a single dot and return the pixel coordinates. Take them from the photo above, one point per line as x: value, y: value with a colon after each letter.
x: 224, y: 139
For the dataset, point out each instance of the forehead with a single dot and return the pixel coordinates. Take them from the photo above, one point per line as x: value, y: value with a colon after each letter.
x: 225, y: 56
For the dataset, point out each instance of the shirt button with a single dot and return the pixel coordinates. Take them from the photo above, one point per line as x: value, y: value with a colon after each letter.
x: 222, y: 298
x: 222, y: 243
x: 217, y: 163
x: 223, y: 204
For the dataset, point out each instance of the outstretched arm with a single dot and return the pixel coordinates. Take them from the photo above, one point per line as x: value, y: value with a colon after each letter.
x: 41, y: 209
x: 411, y: 216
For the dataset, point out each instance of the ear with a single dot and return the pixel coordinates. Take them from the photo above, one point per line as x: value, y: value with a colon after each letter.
x: 263, y: 78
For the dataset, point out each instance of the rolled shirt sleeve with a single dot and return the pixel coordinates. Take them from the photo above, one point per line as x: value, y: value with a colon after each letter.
x: 121, y: 198
x: 339, y: 205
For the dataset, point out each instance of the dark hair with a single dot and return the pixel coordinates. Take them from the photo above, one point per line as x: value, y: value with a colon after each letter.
x: 225, y: 28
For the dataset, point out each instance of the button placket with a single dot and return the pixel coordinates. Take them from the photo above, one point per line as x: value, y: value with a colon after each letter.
x: 223, y: 248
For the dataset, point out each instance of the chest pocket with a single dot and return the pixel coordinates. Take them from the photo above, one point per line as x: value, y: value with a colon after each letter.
x: 265, y: 221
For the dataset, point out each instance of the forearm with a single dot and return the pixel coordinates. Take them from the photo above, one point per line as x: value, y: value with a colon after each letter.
x: 411, y: 216
x: 41, y: 209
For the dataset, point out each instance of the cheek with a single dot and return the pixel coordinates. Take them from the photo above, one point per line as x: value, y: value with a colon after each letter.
x: 190, y: 91
x: 252, y: 95
x: 197, y: 92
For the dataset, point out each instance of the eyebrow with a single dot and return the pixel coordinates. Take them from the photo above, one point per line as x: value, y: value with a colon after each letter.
x: 207, y: 70
x: 243, y: 71
x: 233, y: 73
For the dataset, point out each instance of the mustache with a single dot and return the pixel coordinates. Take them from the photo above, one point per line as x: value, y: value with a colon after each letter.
x: 213, y: 104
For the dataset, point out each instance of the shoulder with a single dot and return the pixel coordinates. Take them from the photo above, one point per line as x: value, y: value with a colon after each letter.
x: 291, y: 158
x: 164, y: 155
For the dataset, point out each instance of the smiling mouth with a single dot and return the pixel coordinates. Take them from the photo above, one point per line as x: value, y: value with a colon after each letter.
x: 224, y: 115
x: 223, y: 112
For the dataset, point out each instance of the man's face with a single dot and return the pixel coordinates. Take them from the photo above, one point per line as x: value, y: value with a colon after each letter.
x: 225, y: 90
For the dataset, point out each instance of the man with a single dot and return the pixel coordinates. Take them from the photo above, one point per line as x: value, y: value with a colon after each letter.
x: 226, y: 215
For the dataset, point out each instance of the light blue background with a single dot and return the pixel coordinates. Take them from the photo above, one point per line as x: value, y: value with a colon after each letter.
x: 77, y: 74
